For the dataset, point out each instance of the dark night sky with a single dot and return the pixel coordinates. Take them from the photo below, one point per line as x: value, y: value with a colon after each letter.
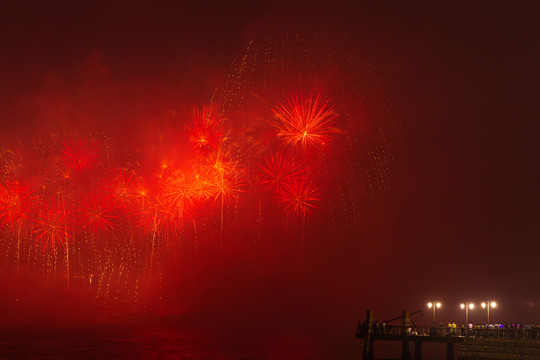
x: 463, y: 80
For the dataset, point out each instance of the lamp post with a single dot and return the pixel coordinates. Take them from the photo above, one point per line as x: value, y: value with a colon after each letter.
x: 467, y: 306
x: 434, y: 305
x: 488, y: 304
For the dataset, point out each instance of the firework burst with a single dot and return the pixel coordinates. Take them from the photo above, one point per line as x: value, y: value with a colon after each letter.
x: 179, y: 190
x: 206, y: 128
x: 200, y: 182
x: 160, y: 216
x: 298, y: 198
x: 226, y: 177
x: 15, y: 202
x: 52, y: 226
x: 306, y: 121
x: 95, y: 214
x: 121, y: 190
x: 278, y: 169
x: 81, y: 155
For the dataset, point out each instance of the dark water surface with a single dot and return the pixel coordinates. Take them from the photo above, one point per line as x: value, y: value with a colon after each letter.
x: 136, y: 342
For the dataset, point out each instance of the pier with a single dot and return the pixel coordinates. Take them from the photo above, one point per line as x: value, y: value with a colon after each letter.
x: 477, y: 344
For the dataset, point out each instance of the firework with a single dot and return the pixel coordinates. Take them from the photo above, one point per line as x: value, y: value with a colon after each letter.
x: 160, y: 216
x: 225, y: 176
x: 81, y: 155
x: 206, y: 128
x: 187, y: 194
x: 179, y: 190
x: 278, y: 169
x: 95, y: 214
x: 298, y: 198
x: 227, y: 184
x: 15, y: 205
x: 168, y: 216
x: 200, y: 182
x: 52, y: 226
x: 121, y: 190
x: 15, y: 202
x: 63, y: 172
x: 141, y: 195
x: 305, y: 121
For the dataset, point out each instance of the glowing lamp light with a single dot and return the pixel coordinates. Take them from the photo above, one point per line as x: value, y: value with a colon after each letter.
x: 434, y: 305
x: 466, y: 306
x: 437, y: 304
x: 487, y: 305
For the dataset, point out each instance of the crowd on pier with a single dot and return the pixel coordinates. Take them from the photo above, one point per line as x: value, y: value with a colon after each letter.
x: 497, y: 331
x: 511, y: 330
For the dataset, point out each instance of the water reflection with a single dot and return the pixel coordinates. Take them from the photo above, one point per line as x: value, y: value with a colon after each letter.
x: 112, y: 342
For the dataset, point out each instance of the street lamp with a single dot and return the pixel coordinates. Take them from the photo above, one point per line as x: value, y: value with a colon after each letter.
x: 467, y: 306
x: 488, y: 304
x: 434, y: 305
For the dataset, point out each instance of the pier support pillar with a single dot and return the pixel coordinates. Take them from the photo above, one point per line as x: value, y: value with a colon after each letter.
x: 367, y: 328
x: 405, y: 351
x: 405, y: 330
x: 449, y: 350
x: 417, y: 350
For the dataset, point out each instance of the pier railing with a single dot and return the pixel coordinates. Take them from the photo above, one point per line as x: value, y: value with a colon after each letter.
x: 380, y: 331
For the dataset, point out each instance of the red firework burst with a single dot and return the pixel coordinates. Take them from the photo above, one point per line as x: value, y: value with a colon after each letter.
x: 52, y: 226
x: 298, y: 198
x: 307, y: 121
x: 227, y: 186
x: 161, y: 216
x: 179, y: 190
x: 225, y: 178
x: 63, y: 172
x: 81, y: 155
x: 121, y: 190
x: 206, y: 128
x: 277, y: 170
x: 202, y: 185
x: 95, y: 214
x: 15, y: 202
